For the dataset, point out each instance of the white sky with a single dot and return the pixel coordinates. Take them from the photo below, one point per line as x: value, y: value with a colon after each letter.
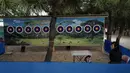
x: 1, y: 24
x: 43, y: 13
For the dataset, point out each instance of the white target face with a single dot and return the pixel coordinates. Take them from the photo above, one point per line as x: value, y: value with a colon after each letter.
x: 19, y: 29
x: 87, y: 28
x: 78, y: 29
x: 96, y: 28
x: 60, y: 29
x: 28, y: 29
x: 69, y: 29
x: 46, y: 29
x: 10, y: 29
x: 37, y: 29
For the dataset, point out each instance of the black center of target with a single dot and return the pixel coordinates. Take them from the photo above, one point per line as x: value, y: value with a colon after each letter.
x: 28, y: 29
x: 10, y: 29
x: 78, y: 29
x: 87, y: 28
x: 37, y: 29
x: 69, y: 29
x: 96, y: 28
x: 19, y: 29
x: 60, y: 29
x: 46, y: 29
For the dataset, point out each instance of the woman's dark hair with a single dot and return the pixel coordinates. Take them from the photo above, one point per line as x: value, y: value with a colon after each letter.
x: 87, y: 57
x: 116, y: 45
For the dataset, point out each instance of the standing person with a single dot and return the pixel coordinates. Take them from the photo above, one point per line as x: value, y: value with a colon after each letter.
x: 115, y: 54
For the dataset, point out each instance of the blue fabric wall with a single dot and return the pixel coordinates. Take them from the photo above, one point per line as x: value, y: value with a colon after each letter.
x: 2, y: 48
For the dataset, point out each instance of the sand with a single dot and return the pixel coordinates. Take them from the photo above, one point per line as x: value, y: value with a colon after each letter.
x: 38, y: 55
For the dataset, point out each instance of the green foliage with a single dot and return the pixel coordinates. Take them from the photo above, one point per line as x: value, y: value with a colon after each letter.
x: 59, y: 38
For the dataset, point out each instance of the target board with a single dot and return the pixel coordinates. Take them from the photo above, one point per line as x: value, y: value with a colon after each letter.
x: 79, y: 31
x: 29, y: 30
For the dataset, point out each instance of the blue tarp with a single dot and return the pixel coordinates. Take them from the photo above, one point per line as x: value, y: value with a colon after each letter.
x: 51, y: 67
x: 2, y: 48
x: 107, y: 46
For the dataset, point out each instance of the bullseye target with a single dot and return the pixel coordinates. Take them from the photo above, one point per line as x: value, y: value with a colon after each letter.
x: 78, y: 29
x: 87, y: 29
x: 28, y: 29
x: 37, y: 29
x: 19, y: 29
x: 46, y: 29
x: 96, y: 28
x: 60, y: 29
x: 69, y: 29
x: 10, y: 29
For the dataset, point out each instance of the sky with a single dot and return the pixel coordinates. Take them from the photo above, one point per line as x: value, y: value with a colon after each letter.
x: 1, y: 22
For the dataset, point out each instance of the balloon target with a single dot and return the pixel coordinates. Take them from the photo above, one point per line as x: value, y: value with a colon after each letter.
x: 46, y: 29
x: 28, y: 29
x: 87, y: 29
x: 96, y: 28
x: 60, y: 29
x: 78, y: 29
x: 69, y: 29
x: 10, y: 29
x: 19, y: 29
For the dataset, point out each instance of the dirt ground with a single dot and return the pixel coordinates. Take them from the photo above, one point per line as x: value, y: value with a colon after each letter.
x: 38, y: 55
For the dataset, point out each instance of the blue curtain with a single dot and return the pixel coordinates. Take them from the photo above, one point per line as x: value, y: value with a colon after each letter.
x: 2, y: 48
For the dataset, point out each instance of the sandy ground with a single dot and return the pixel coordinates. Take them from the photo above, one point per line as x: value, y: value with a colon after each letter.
x: 38, y: 55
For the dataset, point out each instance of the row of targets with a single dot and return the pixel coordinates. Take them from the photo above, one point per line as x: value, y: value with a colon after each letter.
x: 78, y: 29
x: 59, y: 29
x: 27, y: 29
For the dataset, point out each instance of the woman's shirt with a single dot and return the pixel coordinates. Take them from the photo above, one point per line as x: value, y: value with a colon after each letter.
x: 115, y: 56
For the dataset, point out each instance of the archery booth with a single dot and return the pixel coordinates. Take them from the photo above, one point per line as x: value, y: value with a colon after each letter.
x: 75, y: 37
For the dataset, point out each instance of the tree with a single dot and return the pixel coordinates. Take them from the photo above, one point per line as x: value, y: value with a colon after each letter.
x: 108, y: 6
x: 122, y: 14
x: 59, y: 7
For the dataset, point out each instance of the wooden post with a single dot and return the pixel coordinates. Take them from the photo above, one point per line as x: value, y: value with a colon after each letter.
x: 23, y: 48
x: 54, y: 49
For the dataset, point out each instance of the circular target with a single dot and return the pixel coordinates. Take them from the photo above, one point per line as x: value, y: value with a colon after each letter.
x: 78, y: 29
x: 69, y: 29
x: 60, y: 29
x: 19, y: 29
x: 28, y: 29
x: 10, y: 29
x: 46, y: 29
x: 96, y: 28
x: 87, y: 29
x: 37, y: 29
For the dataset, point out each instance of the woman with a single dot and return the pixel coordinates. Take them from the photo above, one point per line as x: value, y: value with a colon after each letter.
x: 115, y: 54
x: 88, y: 59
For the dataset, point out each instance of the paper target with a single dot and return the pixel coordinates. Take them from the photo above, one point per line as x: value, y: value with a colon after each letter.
x: 87, y: 29
x: 10, y: 29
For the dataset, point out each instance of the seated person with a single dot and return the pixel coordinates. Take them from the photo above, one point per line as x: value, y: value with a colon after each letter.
x: 115, y: 54
x: 88, y: 59
x: 126, y: 58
